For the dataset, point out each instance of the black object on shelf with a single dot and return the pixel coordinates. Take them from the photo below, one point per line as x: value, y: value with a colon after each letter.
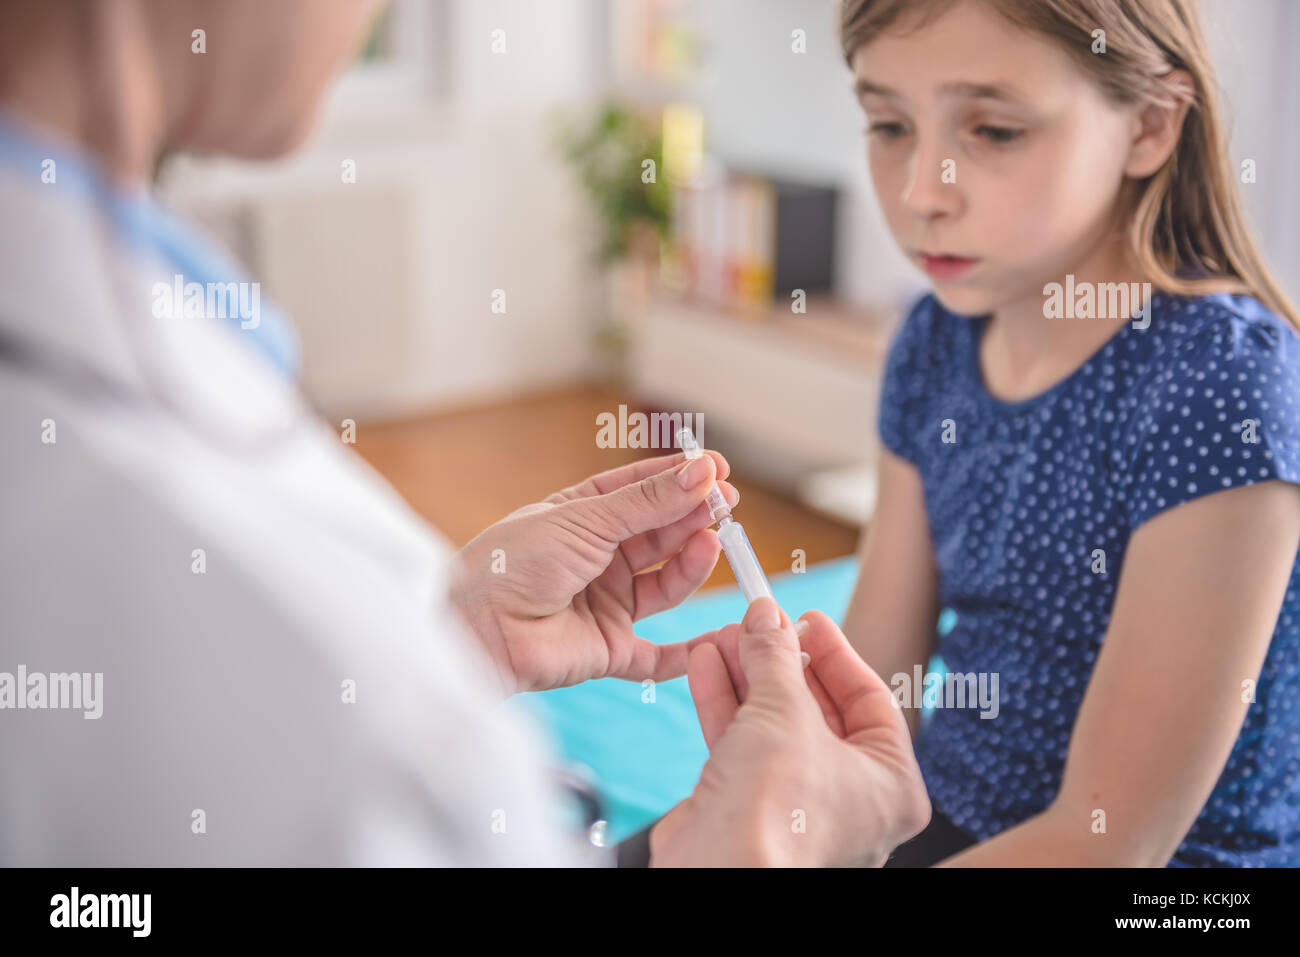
x: 805, y: 237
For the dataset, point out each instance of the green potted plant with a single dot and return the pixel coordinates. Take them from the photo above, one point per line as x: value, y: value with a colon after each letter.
x: 617, y: 156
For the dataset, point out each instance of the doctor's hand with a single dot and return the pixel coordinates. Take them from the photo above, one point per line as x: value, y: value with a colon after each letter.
x: 552, y: 589
x: 808, y: 766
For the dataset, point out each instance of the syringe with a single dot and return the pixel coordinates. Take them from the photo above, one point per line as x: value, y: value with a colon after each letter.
x: 735, y: 543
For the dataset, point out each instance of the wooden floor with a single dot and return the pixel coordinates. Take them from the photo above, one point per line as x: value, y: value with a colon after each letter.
x: 465, y: 470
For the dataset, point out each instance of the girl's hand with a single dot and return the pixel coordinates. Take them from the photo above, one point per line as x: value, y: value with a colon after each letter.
x: 552, y: 589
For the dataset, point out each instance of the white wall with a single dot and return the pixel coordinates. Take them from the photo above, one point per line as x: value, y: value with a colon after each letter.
x: 1254, y: 45
x: 453, y: 199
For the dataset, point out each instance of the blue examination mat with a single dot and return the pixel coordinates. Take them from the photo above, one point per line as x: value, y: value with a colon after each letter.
x: 643, y: 747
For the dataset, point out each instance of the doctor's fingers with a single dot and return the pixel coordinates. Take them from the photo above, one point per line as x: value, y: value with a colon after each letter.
x: 678, y: 578
x: 643, y: 660
x: 653, y: 502
x: 613, y: 479
x: 712, y: 691
x: 728, y: 642
x: 652, y: 547
x: 859, y: 694
x: 664, y: 836
x: 664, y: 588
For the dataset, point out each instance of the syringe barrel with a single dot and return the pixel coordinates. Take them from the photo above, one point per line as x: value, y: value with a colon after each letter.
x: 735, y: 543
x: 744, y: 563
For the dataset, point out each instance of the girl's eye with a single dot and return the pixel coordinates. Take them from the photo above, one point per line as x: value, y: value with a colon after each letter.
x: 888, y: 130
x: 1000, y: 135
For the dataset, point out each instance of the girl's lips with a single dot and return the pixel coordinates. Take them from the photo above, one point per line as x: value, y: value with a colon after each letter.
x: 946, y: 267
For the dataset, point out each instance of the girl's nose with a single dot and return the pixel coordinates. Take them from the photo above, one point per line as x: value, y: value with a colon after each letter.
x: 933, y: 189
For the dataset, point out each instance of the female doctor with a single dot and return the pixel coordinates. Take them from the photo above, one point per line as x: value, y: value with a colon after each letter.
x: 295, y: 670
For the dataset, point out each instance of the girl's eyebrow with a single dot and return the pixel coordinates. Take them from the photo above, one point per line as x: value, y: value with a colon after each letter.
x: 975, y: 91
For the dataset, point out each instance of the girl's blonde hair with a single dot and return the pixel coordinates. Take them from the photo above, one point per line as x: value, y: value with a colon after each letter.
x: 1188, y: 231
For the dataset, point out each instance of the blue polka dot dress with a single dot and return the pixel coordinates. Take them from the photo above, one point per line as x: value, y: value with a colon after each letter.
x: 1031, y: 505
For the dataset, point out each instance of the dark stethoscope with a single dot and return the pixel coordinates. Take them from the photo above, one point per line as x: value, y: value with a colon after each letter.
x: 588, y: 799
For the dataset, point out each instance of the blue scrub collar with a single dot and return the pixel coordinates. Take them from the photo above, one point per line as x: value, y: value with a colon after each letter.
x: 146, y: 227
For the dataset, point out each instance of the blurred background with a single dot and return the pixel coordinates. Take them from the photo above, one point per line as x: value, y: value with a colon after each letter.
x: 517, y: 216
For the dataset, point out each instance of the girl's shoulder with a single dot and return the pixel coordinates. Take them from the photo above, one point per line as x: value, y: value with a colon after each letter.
x: 924, y: 320
x: 925, y: 339
x: 1183, y: 333
x: 1220, y: 338
x: 917, y: 357
x: 1215, y: 401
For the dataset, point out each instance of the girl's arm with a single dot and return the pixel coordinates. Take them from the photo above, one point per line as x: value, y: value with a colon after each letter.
x: 892, y: 614
x: 1198, y: 601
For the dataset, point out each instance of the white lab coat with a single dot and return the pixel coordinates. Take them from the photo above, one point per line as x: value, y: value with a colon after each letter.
x: 225, y: 737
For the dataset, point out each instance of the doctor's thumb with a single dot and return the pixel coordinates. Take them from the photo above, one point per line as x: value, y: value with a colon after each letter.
x: 769, y: 651
x: 652, y: 503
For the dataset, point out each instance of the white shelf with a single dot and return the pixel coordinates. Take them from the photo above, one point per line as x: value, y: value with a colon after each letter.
x: 847, y: 493
x: 790, y: 394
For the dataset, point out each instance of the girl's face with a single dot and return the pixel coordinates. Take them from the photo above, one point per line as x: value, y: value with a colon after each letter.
x: 987, y: 143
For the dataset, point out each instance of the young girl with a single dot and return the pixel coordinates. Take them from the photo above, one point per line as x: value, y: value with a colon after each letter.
x: 1102, y: 489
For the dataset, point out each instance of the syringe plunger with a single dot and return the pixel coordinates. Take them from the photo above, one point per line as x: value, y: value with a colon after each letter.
x: 719, y: 510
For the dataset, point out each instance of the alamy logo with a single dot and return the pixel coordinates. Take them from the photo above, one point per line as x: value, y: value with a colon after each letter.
x: 936, y: 689
x: 208, y: 300
x: 1098, y: 300
x: 71, y: 691
x: 658, y: 430
x: 102, y: 910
